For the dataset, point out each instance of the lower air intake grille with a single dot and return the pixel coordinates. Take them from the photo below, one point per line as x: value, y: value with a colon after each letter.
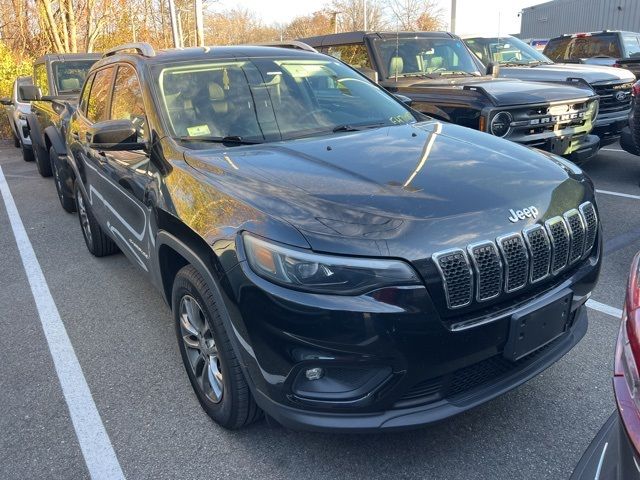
x: 518, y: 258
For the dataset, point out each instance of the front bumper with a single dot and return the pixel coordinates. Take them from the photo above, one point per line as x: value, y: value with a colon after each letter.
x: 412, y: 417
x: 608, y: 126
x: 610, y: 456
x: 585, y: 149
x: 391, y: 361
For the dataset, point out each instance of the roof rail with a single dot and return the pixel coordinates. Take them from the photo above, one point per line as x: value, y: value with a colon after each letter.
x: 293, y: 44
x: 142, y: 48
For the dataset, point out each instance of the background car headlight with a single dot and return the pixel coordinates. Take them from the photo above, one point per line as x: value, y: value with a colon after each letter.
x: 501, y: 124
x: 592, y: 109
x: 318, y: 273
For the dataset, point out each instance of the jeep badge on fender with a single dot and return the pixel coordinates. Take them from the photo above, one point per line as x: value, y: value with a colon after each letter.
x: 516, y: 215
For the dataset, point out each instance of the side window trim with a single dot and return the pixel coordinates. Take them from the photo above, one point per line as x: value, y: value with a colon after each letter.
x: 88, y: 84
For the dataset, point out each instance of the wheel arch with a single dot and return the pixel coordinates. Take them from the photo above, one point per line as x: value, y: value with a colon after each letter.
x: 52, y: 138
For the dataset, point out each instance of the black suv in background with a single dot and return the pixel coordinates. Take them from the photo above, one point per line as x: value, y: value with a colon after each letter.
x: 330, y: 256
x: 610, y: 48
x: 518, y: 60
x: 445, y: 80
x: 57, y: 81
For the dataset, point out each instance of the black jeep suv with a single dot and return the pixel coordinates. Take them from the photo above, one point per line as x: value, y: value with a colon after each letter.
x: 331, y: 257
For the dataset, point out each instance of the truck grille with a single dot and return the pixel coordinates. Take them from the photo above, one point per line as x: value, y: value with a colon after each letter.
x: 516, y: 259
x: 615, y: 97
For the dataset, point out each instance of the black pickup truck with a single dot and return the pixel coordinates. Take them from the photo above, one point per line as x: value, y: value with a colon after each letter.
x: 445, y: 80
x: 57, y: 80
x: 518, y: 60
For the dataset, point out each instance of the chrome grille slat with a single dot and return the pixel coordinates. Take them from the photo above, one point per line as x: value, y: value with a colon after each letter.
x: 516, y: 261
x: 457, y: 277
x: 590, y: 217
x: 486, y: 269
x: 539, y: 251
x: 575, y: 223
x: 560, y: 243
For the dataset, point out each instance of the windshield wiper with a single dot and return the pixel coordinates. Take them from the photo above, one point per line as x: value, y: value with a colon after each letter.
x: 458, y: 72
x: 356, y: 127
x: 231, y: 139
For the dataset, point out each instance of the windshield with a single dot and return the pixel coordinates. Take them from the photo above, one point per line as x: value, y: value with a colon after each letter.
x: 70, y: 75
x: 505, y: 51
x: 429, y: 57
x: 261, y: 100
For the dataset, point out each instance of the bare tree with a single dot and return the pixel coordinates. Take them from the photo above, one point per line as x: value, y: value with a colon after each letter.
x: 416, y: 14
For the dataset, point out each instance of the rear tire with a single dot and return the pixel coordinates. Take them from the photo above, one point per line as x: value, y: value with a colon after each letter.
x: 42, y: 161
x: 67, y: 201
x: 27, y: 154
x: 212, y: 366
x: 98, y: 243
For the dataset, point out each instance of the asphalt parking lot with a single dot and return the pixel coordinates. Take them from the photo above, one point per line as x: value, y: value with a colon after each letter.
x: 123, y: 336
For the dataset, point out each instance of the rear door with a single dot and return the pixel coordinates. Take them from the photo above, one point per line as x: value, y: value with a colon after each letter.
x: 127, y: 174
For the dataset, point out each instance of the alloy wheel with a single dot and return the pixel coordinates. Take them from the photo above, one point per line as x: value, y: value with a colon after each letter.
x: 84, y: 218
x: 201, y: 349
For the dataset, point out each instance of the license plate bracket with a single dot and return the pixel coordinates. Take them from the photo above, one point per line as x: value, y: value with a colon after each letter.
x: 536, y: 327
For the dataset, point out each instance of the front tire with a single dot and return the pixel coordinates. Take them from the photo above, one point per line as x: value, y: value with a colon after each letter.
x: 212, y: 366
x: 67, y: 201
x: 27, y: 154
x: 42, y: 161
x: 97, y: 241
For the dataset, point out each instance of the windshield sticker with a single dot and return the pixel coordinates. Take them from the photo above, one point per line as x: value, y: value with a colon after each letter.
x: 198, y: 130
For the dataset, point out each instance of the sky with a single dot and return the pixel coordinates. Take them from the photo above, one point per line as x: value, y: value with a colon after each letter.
x: 473, y: 16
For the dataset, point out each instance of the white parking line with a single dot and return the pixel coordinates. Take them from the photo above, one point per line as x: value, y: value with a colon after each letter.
x: 601, y: 307
x: 94, y: 442
x: 618, y: 194
x: 613, y: 149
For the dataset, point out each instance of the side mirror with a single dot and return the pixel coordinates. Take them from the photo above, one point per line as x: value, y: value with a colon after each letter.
x: 115, y: 135
x: 5, y: 101
x: 370, y: 73
x: 493, y: 69
x: 404, y: 99
x: 30, y: 93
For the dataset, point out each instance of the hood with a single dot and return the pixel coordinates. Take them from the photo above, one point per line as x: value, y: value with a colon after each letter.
x: 401, y: 191
x: 502, y: 92
x: 561, y: 72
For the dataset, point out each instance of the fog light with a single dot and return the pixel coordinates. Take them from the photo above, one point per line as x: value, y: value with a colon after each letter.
x: 314, y: 373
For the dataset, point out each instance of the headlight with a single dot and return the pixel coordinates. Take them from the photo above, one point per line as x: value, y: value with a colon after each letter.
x: 313, y: 272
x: 501, y: 124
x: 592, y: 109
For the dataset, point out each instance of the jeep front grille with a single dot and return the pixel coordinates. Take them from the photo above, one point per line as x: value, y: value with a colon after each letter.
x: 486, y: 269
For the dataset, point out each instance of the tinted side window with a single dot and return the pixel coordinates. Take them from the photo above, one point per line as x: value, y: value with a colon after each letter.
x: 127, y: 98
x: 40, y: 78
x: 354, y: 55
x: 99, y: 96
x: 557, y: 48
x: 84, y: 99
x: 631, y: 45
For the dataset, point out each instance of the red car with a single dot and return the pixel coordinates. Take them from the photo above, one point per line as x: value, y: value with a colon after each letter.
x: 615, y: 451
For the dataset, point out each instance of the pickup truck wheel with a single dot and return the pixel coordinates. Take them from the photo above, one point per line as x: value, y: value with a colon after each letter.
x: 212, y: 366
x: 42, y: 161
x: 98, y: 243
x: 67, y: 201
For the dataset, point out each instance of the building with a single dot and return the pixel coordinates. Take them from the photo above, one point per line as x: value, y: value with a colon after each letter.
x: 554, y: 18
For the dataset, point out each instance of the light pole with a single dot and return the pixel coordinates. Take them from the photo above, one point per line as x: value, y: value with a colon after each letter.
x: 452, y: 26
